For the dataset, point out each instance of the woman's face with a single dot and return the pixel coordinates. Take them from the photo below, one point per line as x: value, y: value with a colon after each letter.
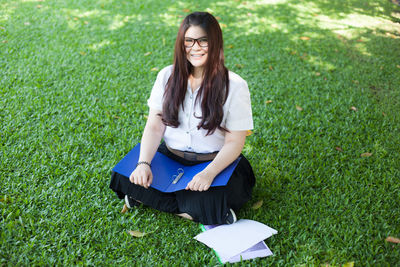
x: 196, y: 45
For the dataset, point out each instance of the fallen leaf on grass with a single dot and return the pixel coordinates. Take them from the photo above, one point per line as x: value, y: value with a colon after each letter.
x: 338, y: 148
x: 186, y: 10
x: 366, y: 154
x: 229, y: 46
x: 223, y: 25
x: 398, y: 66
x: 317, y: 74
x: 146, y: 54
x: 299, y: 108
x: 218, y: 18
x: 257, y: 205
x: 304, y: 56
x: 5, y: 199
x: 271, y: 68
x: 124, y: 209
x: 154, y: 69
x: 239, y: 66
x: 27, y: 23
x: 305, y: 38
x: 249, y: 132
x: 4, y: 42
x: 82, y: 53
x: 341, y: 38
x: 353, y: 108
x: 136, y: 233
x: 392, y: 239
x: 348, y: 264
x: 39, y: 6
x: 268, y: 102
x: 86, y: 22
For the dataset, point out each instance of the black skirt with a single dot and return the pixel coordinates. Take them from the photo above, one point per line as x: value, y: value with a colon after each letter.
x: 207, y: 207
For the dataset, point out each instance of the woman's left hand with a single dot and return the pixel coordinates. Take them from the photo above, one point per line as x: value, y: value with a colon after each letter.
x: 200, y: 182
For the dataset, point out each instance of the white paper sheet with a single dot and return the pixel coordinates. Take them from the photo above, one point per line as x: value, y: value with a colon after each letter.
x: 230, y: 240
x: 259, y: 250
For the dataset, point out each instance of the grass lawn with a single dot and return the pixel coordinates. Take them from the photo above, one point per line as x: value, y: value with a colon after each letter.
x: 325, y: 83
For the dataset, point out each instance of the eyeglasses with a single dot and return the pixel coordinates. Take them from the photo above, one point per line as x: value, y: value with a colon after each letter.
x: 189, y: 42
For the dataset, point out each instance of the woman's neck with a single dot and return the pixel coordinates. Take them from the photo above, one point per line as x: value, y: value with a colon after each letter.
x: 198, y: 73
x: 196, y: 78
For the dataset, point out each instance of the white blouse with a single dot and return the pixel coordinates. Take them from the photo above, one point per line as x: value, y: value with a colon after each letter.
x: 186, y: 137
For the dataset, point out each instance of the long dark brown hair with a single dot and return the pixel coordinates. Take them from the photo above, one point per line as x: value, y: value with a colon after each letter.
x: 215, y: 86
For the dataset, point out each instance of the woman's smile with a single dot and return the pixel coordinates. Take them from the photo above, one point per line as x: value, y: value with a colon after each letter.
x: 197, y: 56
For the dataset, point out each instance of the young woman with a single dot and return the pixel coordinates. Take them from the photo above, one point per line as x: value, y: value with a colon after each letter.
x: 202, y: 111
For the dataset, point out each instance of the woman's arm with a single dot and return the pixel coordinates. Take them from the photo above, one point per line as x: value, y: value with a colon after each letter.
x: 234, y: 143
x: 152, y: 134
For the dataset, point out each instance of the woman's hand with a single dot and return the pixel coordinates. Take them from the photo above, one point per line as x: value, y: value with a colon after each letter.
x: 142, y: 176
x: 200, y: 182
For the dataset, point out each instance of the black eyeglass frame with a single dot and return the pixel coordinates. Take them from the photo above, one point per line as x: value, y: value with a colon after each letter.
x: 196, y: 40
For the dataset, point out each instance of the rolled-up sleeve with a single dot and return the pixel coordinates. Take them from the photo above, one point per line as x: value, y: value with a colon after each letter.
x: 239, y: 115
x: 155, y: 100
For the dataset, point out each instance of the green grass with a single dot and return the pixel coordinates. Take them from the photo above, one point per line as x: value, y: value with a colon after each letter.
x: 74, y: 79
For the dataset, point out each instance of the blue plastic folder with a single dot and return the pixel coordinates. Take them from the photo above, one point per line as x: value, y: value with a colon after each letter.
x: 164, y: 169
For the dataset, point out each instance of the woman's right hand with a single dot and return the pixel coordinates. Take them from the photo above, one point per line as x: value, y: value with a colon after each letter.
x: 142, y: 176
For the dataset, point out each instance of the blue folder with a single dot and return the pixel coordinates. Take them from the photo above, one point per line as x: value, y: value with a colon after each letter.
x: 164, y: 169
